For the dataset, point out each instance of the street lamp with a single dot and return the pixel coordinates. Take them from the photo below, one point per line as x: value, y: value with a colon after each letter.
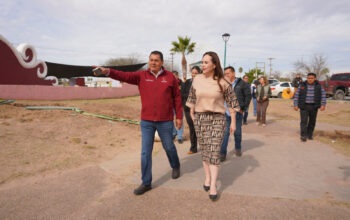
x: 225, y: 37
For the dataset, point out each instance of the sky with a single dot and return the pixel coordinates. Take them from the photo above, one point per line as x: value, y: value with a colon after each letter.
x: 88, y: 32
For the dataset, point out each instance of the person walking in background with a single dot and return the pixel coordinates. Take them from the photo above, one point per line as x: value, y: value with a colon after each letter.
x: 160, y: 95
x: 208, y: 94
x: 309, y: 97
x: 296, y: 82
x: 242, y: 91
x: 245, y: 115
x: 178, y: 132
x: 253, y: 89
x: 263, y: 93
x: 185, y: 90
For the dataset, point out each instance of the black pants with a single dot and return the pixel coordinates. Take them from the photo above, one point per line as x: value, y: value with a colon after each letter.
x: 308, y: 120
x: 193, y: 136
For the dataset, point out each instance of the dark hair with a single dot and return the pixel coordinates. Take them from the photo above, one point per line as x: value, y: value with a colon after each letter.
x: 175, y: 73
x: 311, y: 74
x: 218, y: 73
x: 196, y: 68
x: 230, y: 68
x: 245, y: 76
x: 156, y: 52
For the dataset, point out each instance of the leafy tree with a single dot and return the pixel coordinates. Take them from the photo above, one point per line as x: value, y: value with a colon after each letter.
x: 185, y: 47
x: 317, y: 65
x: 253, y: 73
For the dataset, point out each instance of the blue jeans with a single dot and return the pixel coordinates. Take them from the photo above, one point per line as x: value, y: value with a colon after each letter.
x: 237, y: 134
x: 245, y: 116
x: 179, y: 132
x: 254, y: 103
x: 148, y: 129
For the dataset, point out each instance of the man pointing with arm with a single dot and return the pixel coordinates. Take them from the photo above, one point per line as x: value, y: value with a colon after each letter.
x: 159, y: 96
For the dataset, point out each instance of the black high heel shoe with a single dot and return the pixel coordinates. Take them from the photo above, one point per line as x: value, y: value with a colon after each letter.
x: 213, y: 197
x: 206, y: 188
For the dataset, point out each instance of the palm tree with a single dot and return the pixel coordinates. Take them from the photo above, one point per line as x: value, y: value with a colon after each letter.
x: 240, y: 70
x: 185, y: 47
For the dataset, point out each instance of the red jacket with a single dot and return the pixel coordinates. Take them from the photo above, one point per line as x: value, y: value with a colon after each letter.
x: 159, y: 96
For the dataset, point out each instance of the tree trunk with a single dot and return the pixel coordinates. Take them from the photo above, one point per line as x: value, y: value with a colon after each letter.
x: 184, y: 67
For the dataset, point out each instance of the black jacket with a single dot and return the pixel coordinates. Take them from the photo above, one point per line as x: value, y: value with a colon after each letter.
x: 242, y: 90
x: 303, y: 91
x: 185, y: 90
x: 297, y: 82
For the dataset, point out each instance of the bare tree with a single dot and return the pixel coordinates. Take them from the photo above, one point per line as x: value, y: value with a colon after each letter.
x: 167, y: 66
x: 276, y: 75
x: 317, y: 65
x: 121, y: 61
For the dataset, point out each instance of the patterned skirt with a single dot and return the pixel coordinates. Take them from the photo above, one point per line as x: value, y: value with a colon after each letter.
x: 210, y: 128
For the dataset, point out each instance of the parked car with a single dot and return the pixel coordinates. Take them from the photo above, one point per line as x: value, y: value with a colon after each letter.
x: 337, y: 86
x: 272, y: 81
x: 278, y: 87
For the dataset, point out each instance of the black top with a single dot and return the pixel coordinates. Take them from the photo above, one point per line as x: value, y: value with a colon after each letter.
x: 185, y: 90
x: 242, y: 90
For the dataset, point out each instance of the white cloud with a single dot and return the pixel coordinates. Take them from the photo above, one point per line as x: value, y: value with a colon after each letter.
x: 89, y: 32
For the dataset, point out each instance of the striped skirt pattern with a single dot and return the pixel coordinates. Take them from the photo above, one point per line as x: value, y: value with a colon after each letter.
x: 210, y: 128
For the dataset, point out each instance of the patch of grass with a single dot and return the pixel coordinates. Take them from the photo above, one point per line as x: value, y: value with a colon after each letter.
x: 76, y: 140
x: 5, y: 123
x: 340, y: 140
x: 89, y: 147
x: 65, y: 163
x: 22, y: 120
x: 329, y: 201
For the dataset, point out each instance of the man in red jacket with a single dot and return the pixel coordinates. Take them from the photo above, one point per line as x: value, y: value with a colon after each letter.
x: 160, y: 94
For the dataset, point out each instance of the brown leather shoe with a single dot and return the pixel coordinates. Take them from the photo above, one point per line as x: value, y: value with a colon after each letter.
x: 238, y: 153
x: 142, y: 189
x: 176, y: 173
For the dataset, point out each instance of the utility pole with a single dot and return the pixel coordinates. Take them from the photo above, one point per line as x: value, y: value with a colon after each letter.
x: 172, y: 61
x: 257, y: 66
x: 271, y: 58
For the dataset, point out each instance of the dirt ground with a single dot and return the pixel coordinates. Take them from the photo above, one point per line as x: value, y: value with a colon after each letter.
x: 41, y: 141
x: 43, y: 144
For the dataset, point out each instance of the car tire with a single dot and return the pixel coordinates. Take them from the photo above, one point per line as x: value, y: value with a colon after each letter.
x: 279, y: 95
x: 339, y: 95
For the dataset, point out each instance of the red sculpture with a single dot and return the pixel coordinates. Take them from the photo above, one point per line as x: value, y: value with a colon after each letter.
x: 21, y: 67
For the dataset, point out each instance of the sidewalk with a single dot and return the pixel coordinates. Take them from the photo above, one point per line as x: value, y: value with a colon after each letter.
x: 278, y: 177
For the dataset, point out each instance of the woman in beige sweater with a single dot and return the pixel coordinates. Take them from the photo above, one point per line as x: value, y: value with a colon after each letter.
x: 207, y: 98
